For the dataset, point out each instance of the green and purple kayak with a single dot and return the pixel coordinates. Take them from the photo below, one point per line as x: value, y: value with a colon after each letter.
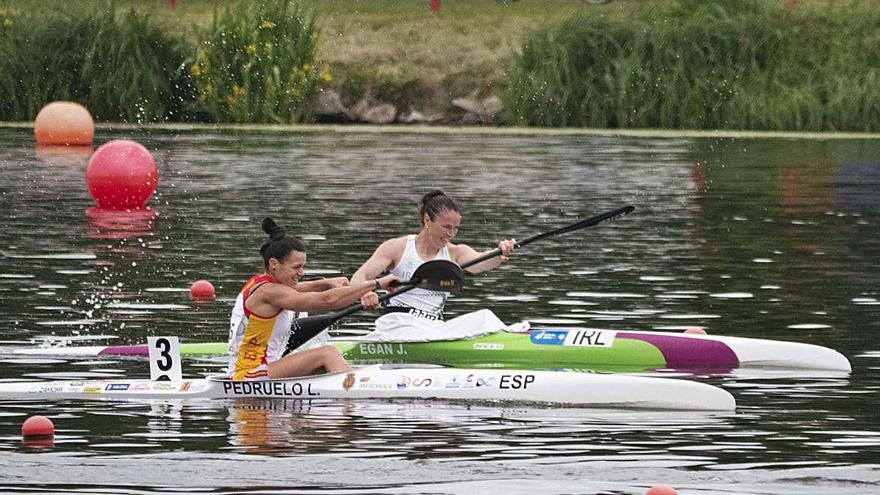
x: 557, y: 348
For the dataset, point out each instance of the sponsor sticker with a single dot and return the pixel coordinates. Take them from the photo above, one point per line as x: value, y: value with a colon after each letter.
x: 117, y: 386
x: 92, y: 389
x: 485, y: 382
x: 348, y: 382
x: 548, y: 337
x: 374, y: 386
x: 403, y: 382
x: 488, y: 346
x: 454, y: 383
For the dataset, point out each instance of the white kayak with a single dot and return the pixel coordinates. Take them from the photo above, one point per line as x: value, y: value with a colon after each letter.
x: 377, y: 382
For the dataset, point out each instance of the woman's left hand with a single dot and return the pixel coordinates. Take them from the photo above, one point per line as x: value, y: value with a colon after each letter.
x: 506, y: 247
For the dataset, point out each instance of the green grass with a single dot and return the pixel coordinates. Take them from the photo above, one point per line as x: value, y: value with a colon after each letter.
x: 256, y: 63
x: 724, y: 64
x: 118, y: 64
x: 727, y: 64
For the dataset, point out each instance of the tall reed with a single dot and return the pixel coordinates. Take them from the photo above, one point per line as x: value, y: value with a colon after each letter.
x: 117, y: 63
x: 726, y: 64
x: 256, y: 63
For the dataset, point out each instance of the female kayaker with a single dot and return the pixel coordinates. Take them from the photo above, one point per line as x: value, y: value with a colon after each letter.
x: 440, y: 218
x: 263, y: 311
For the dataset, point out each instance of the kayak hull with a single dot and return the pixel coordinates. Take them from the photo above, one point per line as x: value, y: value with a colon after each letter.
x: 572, y: 348
x: 373, y: 382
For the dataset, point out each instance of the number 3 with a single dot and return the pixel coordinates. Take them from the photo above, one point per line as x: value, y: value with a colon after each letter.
x: 164, y: 347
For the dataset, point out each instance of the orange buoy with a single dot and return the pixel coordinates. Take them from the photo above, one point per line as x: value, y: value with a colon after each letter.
x: 64, y: 123
x: 37, y: 427
x: 661, y: 490
x: 201, y: 289
x: 121, y: 175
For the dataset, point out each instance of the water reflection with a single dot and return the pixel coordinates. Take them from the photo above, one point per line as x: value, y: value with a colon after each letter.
x: 121, y: 224
x: 286, y: 427
x: 74, y: 157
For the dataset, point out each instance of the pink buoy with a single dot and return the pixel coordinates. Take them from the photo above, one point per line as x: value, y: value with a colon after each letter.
x: 64, y: 123
x: 37, y: 427
x: 121, y: 175
x: 201, y: 289
x: 661, y: 489
x: 695, y: 331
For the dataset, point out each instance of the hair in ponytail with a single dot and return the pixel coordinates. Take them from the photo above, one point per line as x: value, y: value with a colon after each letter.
x: 433, y: 203
x: 279, y: 244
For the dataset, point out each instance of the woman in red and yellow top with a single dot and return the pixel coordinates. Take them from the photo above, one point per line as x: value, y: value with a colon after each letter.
x: 268, y: 302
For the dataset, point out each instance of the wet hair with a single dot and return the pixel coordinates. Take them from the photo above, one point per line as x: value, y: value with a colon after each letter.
x: 433, y: 203
x: 279, y: 244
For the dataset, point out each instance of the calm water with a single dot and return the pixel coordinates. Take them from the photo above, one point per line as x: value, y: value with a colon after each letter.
x: 769, y: 238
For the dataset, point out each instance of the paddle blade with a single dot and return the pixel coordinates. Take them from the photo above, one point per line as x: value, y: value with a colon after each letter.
x: 439, y: 275
x: 303, y: 329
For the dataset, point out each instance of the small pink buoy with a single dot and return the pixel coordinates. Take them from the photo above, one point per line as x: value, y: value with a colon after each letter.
x: 695, y: 331
x: 64, y: 123
x: 121, y: 175
x: 201, y: 289
x: 37, y: 428
x: 661, y: 489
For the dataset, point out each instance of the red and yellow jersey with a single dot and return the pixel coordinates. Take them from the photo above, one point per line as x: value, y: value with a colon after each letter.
x: 256, y: 340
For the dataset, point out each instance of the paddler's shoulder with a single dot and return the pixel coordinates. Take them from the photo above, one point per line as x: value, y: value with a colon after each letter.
x: 396, y: 244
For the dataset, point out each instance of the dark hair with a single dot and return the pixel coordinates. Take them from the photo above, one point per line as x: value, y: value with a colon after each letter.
x: 434, y: 202
x: 279, y: 244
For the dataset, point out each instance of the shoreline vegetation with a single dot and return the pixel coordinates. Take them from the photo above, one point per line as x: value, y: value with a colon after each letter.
x: 631, y: 64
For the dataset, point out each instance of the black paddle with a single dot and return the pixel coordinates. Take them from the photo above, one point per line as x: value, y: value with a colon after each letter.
x: 440, y: 275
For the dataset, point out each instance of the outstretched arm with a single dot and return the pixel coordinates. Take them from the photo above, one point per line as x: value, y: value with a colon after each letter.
x: 384, y: 258
x: 267, y: 300
x: 321, y: 284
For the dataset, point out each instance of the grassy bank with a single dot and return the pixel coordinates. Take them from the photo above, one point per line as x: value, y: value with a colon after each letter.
x: 631, y: 63
x: 726, y: 64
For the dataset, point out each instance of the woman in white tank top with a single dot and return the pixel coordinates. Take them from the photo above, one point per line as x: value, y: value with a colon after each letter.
x: 401, y: 256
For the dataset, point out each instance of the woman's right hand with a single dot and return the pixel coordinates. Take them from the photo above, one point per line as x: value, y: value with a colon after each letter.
x: 388, y: 282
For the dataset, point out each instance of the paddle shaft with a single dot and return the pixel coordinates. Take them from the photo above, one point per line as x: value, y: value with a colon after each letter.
x: 306, y: 328
x: 581, y: 224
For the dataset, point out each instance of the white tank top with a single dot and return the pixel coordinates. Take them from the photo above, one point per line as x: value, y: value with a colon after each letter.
x: 427, y: 303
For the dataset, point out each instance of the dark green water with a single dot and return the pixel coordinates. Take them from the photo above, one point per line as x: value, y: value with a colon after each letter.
x: 768, y: 238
